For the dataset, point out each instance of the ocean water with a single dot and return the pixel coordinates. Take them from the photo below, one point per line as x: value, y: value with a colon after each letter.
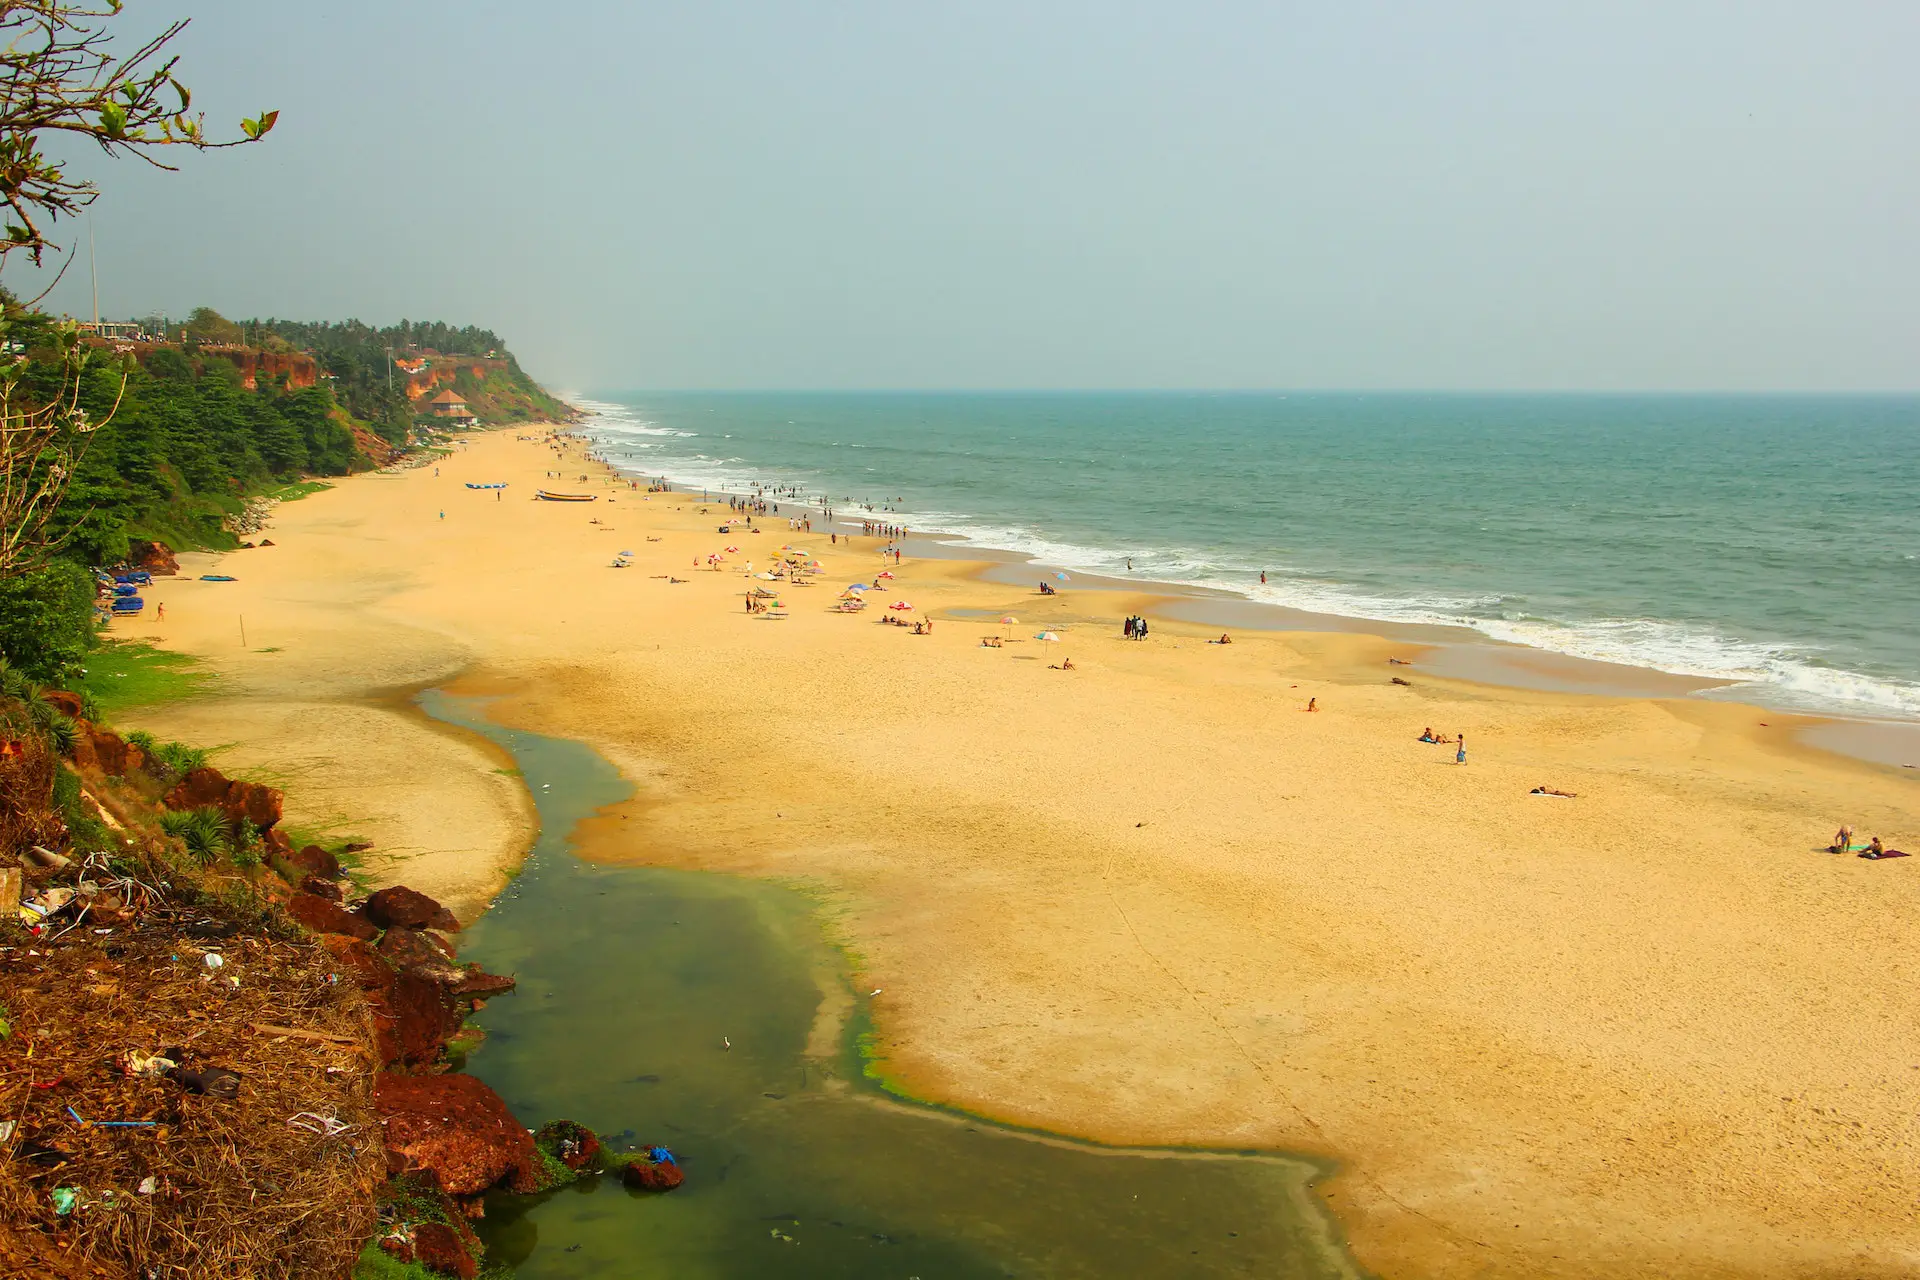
x: 1769, y: 540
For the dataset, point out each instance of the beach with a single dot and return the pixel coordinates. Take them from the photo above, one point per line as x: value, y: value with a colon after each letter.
x: 1652, y: 1029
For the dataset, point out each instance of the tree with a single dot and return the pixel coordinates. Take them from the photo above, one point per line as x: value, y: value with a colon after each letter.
x: 61, y: 75
x: 208, y: 325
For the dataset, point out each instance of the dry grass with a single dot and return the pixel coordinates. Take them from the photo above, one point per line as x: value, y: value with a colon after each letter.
x: 233, y: 1189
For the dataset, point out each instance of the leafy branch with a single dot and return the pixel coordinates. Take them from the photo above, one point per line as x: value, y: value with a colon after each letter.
x: 60, y: 75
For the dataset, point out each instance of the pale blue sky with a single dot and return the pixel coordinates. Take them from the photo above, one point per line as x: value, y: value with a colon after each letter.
x: 1049, y: 194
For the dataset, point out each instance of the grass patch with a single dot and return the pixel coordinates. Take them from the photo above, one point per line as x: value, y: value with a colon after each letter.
x: 298, y: 490
x: 122, y: 674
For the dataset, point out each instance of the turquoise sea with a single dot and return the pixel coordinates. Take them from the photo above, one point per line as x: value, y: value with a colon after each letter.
x: 1769, y: 540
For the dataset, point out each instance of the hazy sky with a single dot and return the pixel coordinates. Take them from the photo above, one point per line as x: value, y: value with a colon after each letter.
x: 1048, y: 194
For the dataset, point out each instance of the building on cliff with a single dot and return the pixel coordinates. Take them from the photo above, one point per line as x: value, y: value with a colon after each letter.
x: 450, y: 406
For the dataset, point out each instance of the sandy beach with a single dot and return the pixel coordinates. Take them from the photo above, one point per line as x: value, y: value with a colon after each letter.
x: 1653, y: 1029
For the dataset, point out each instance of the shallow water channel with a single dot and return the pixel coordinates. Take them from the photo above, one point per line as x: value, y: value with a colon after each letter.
x: 632, y: 980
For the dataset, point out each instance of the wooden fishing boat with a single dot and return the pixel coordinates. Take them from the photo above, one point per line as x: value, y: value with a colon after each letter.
x: 472, y: 485
x: 544, y: 496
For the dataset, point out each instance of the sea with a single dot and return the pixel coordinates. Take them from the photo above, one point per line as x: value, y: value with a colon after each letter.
x: 1769, y: 541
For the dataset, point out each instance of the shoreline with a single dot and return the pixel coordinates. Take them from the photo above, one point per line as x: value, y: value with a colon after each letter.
x: 1451, y: 651
x: 1131, y: 904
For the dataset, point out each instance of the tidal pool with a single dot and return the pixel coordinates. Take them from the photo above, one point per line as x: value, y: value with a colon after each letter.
x: 632, y: 983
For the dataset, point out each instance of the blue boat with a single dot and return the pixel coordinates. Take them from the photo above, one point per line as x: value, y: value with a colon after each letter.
x: 126, y: 589
x: 471, y: 485
x: 128, y: 604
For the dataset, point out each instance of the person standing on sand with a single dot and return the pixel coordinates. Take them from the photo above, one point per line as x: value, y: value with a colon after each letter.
x: 1460, y: 756
x: 160, y: 613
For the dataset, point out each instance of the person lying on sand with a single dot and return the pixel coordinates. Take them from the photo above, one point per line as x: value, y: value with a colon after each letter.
x: 1065, y: 664
x: 1224, y: 639
x: 1544, y: 790
x: 1426, y: 735
x: 990, y: 642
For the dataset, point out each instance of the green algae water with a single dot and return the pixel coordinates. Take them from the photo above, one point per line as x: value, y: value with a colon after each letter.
x: 632, y: 982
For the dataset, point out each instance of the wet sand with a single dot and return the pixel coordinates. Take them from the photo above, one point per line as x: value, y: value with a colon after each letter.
x: 1151, y: 901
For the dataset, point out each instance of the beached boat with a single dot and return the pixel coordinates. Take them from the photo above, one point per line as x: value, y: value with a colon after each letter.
x: 472, y: 485
x: 544, y: 496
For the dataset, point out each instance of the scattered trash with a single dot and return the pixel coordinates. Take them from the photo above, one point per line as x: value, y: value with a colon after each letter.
x: 778, y: 1234
x: 148, y: 1065
x: 660, y: 1155
x: 314, y: 1122
x: 213, y: 959
x: 6, y: 1129
x: 65, y: 1200
x: 110, y: 1124
x: 148, y: 1185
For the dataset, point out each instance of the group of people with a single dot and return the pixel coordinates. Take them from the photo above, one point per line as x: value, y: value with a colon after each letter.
x: 1874, y: 848
x: 1135, y: 629
x: 875, y: 529
x: 1460, y: 743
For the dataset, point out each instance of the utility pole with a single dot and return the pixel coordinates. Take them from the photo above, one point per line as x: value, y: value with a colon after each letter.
x: 93, y: 264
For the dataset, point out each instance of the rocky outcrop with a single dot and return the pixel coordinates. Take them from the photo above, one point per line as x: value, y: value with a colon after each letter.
x: 207, y: 787
x: 315, y: 861
x: 412, y: 951
x: 321, y: 916
x: 155, y: 557
x: 402, y: 908
x: 646, y: 1176
x: 67, y: 704
x: 458, y: 1129
x: 439, y: 1247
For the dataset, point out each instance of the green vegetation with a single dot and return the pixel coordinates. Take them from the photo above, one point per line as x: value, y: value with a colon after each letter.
x: 203, y: 831
x: 46, y: 621
x: 122, y: 674
x: 299, y: 489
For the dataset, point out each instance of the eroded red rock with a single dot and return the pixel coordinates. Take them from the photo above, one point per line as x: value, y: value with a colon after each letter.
x: 155, y: 557
x: 321, y: 916
x: 207, y: 787
x: 67, y: 704
x: 457, y: 1128
x: 320, y: 887
x: 413, y: 951
x: 413, y: 1018
x: 664, y: 1176
x: 316, y: 861
x: 404, y: 908
x: 478, y: 982
x: 438, y: 1247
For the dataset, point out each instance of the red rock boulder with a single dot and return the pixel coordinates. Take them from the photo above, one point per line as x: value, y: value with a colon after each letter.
x: 67, y: 704
x: 413, y: 1018
x: 478, y: 982
x: 399, y: 907
x: 315, y: 861
x: 207, y: 787
x: 113, y: 755
x: 664, y: 1176
x: 412, y: 951
x: 321, y: 916
x: 155, y: 557
x: 438, y: 1247
x: 458, y: 1129
x: 320, y: 887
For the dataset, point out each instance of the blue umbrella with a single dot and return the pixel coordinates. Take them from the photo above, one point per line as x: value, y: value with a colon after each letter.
x: 1063, y: 577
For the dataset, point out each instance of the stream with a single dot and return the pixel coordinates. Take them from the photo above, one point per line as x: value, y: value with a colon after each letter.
x: 632, y: 982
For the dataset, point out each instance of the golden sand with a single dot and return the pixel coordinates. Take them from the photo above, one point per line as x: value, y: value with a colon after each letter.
x: 1651, y: 1030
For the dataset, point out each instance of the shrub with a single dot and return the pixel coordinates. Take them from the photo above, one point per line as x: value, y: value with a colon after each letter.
x: 203, y: 831
x: 173, y: 760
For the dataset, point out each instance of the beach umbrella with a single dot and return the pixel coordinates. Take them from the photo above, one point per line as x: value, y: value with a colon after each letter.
x: 900, y: 604
x: 1063, y: 577
x: 769, y: 577
x: 1009, y: 621
x: 733, y: 551
x: 884, y: 574
x: 1049, y: 637
x: 859, y: 586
